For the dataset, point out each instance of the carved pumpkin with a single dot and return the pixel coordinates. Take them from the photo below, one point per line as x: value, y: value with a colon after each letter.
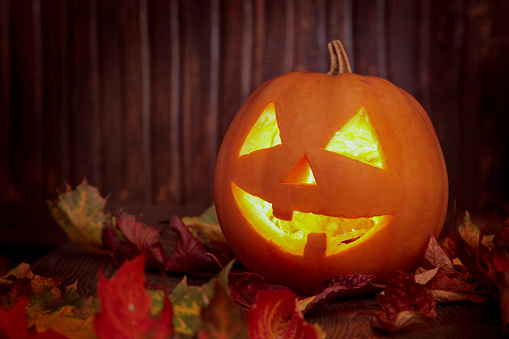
x: 326, y: 174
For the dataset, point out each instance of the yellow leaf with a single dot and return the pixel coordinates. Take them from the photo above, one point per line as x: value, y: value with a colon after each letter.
x: 211, y: 232
x: 80, y: 213
x: 65, y: 322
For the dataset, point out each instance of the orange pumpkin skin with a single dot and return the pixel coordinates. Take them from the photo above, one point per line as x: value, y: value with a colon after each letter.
x: 310, y: 108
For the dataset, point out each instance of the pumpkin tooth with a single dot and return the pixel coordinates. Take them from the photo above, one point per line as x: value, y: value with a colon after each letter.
x: 316, y: 245
x: 282, y: 213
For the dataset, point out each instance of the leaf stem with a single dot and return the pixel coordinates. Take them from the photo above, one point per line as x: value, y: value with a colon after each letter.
x: 216, y: 260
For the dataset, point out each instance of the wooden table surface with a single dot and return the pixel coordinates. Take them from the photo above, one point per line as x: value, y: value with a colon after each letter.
x: 454, y: 320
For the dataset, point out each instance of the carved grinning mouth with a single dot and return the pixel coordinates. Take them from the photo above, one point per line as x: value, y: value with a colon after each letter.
x: 293, y: 234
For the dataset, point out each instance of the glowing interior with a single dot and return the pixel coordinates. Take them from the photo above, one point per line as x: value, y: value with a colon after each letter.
x: 357, y: 140
x: 292, y: 235
x: 264, y: 134
x: 301, y: 174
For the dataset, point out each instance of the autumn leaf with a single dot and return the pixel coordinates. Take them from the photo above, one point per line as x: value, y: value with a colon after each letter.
x: 501, y: 238
x: 206, y: 227
x: 499, y: 269
x: 80, y: 214
x: 437, y: 257
x: 275, y: 315
x: 475, y: 259
x: 70, y: 315
x: 143, y: 238
x: 335, y: 287
x: 404, y: 303
x: 470, y: 232
x: 188, y: 301
x: 189, y: 255
x: 66, y: 313
x: 14, y: 284
x: 125, y: 305
x: 446, y: 289
x: 14, y: 324
x: 222, y: 318
x: 245, y: 286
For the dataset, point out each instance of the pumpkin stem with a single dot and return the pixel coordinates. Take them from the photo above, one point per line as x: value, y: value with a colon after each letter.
x: 338, y: 58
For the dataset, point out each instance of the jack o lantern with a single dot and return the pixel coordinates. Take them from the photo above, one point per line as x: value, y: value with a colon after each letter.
x: 320, y: 175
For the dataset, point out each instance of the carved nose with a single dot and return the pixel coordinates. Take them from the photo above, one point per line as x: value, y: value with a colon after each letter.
x: 301, y: 174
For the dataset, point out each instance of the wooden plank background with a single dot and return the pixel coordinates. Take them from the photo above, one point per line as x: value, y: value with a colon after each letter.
x: 136, y: 95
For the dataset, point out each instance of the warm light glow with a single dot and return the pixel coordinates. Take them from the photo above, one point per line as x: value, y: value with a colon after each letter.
x: 357, y: 140
x: 292, y: 235
x: 264, y: 134
x: 301, y: 174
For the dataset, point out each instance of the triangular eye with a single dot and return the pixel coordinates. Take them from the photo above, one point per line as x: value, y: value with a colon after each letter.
x: 301, y: 174
x: 357, y: 140
x: 264, y: 134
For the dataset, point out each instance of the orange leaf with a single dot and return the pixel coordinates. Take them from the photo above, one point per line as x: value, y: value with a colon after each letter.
x: 275, y: 315
x: 222, y: 318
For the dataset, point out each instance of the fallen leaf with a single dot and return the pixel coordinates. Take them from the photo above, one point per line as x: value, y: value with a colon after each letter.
x: 188, y: 301
x: 125, y: 305
x: 70, y: 315
x: 66, y: 313
x: 404, y: 302
x: 449, y: 289
x: 474, y: 261
x: 23, y: 270
x: 114, y: 240
x: 437, y: 257
x: 14, y: 324
x: 401, y: 320
x: 470, y: 232
x: 449, y: 246
x: 499, y: 273
x: 501, y: 238
x: 14, y: 284
x: 189, y: 255
x: 80, y: 214
x: 333, y: 288
x: 143, y: 238
x: 424, y: 277
x: 208, y: 232
x: 206, y: 226
x: 275, y: 315
x: 222, y: 318
x: 244, y: 287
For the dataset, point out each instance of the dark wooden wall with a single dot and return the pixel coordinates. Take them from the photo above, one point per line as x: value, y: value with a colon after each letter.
x: 137, y: 94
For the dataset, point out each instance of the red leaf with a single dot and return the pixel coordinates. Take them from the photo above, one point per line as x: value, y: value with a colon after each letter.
x: 14, y: 324
x: 449, y: 246
x: 499, y: 267
x: 441, y: 282
x: 143, y: 237
x: 405, y: 302
x: 333, y: 288
x: 275, y: 315
x: 125, y: 305
x: 244, y: 287
x: 501, y: 238
x: 189, y: 255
